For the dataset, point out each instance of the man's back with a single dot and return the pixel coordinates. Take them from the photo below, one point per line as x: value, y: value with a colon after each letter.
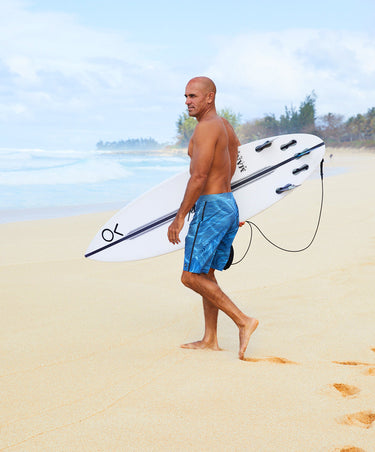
x: 216, y: 137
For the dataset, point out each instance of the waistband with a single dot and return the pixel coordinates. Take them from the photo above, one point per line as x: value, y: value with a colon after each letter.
x: 216, y: 197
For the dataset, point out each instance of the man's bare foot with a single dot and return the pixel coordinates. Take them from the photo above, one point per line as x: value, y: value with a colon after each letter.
x: 201, y: 345
x: 245, y: 333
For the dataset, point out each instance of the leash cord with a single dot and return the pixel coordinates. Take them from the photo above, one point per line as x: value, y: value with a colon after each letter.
x: 251, y: 224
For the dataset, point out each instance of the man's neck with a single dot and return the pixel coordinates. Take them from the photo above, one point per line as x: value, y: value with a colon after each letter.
x: 207, y: 114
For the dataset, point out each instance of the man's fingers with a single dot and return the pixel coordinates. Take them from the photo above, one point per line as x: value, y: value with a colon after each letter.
x: 173, y: 237
x: 174, y: 231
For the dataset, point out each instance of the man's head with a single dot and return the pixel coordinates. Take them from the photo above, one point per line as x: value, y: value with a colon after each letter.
x: 200, y: 95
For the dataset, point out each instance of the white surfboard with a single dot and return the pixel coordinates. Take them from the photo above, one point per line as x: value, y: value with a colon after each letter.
x: 266, y: 171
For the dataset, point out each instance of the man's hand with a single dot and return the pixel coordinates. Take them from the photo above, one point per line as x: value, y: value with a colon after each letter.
x: 175, y: 229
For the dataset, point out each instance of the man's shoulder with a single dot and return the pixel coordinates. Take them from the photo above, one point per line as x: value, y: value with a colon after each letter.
x: 231, y: 132
x: 211, y: 125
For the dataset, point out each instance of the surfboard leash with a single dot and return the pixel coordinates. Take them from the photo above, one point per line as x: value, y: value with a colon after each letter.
x: 252, y: 224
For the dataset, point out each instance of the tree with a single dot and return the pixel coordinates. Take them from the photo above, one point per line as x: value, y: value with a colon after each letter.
x: 185, y: 128
x: 186, y: 124
x: 302, y: 120
x: 258, y: 129
x: 249, y: 131
x: 292, y: 121
x: 356, y: 126
x: 271, y: 125
x: 233, y: 118
x: 289, y: 120
x: 332, y: 127
x: 306, y: 117
x: 370, y: 124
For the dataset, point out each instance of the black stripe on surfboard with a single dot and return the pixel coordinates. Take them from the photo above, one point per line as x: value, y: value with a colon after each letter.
x: 137, y: 232
x: 252, y: 178
x: 270, y: 169
x: 235, y: 186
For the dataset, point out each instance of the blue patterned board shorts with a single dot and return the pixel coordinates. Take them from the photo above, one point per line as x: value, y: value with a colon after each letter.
x: 211, y: 233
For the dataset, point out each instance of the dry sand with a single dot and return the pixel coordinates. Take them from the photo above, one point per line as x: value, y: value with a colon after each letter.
x: 90, y: 357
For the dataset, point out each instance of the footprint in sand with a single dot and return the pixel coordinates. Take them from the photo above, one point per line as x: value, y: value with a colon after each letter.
x: 354, y: 363
x: 271, y: 359
x: 346, y: 390
x: 351, y: 363
x: 369, y: 371
x: 362, y: 419
x: 350, y: 449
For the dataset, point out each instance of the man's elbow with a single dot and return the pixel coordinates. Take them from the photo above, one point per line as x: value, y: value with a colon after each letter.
x: 199, y: 178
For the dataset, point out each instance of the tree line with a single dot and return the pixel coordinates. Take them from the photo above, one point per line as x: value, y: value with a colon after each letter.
x: 357, y: 131
x: 131, y: 144
x: 301, y: 120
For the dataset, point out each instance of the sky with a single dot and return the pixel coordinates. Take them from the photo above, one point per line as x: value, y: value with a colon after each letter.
x: 75, y: 72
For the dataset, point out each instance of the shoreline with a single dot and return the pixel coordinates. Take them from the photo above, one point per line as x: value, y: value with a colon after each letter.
x: 49, y: 213
x: 331, y: 168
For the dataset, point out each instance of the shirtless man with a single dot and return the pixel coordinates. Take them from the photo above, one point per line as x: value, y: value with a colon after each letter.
x: 213, y: 153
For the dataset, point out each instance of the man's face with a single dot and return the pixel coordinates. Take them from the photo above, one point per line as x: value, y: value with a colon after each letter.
x: 197, y: 99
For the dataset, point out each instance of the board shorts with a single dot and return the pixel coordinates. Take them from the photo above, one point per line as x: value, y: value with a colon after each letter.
x: 211, y: 233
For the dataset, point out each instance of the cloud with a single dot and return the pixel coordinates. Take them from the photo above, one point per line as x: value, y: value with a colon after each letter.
x: 64, y: 84
x: 54, y: 69
x: 270, y: 70
x: 38, y: 44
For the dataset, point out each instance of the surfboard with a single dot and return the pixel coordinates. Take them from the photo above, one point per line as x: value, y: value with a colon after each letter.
x: 266, y: 171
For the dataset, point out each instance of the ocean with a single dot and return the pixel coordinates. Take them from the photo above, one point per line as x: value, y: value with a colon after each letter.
x: 40, y: 184
x: 36, y: 183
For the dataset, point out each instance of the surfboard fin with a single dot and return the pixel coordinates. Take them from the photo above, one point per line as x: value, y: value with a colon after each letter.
x: 302, y: 168
x: 265, y: 145
x: 286, y: 187
x: 308, y: 150
x: 284, y: 147
x: 302, y: 153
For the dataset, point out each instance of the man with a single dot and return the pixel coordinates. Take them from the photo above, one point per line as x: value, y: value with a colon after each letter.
x: 213, y: 153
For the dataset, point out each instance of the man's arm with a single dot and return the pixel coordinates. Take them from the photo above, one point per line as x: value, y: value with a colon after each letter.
x: 204, y: 143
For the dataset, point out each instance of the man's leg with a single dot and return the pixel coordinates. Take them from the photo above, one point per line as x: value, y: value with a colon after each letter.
x: 210, y: 290
x: 210, y: 323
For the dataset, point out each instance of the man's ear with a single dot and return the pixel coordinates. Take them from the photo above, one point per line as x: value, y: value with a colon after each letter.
x: 210, y: 97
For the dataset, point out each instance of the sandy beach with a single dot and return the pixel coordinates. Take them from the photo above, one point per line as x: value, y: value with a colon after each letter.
x: 90, y: 356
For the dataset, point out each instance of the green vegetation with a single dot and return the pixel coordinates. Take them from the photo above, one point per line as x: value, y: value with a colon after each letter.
x: 357, y: 131
x: 186, y: 125
x: 136, y: 144
x: 231, y: 117
x: 302, y: 120
x: 185, y: 128
x: 292, y: 121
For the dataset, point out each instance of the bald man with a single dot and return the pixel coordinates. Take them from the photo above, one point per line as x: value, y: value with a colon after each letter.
x: 213, y: 152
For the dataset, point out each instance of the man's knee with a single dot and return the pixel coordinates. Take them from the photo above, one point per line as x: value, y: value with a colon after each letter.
x: 193, y: 280
x: 211, y: 274
x: 187, y: 279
